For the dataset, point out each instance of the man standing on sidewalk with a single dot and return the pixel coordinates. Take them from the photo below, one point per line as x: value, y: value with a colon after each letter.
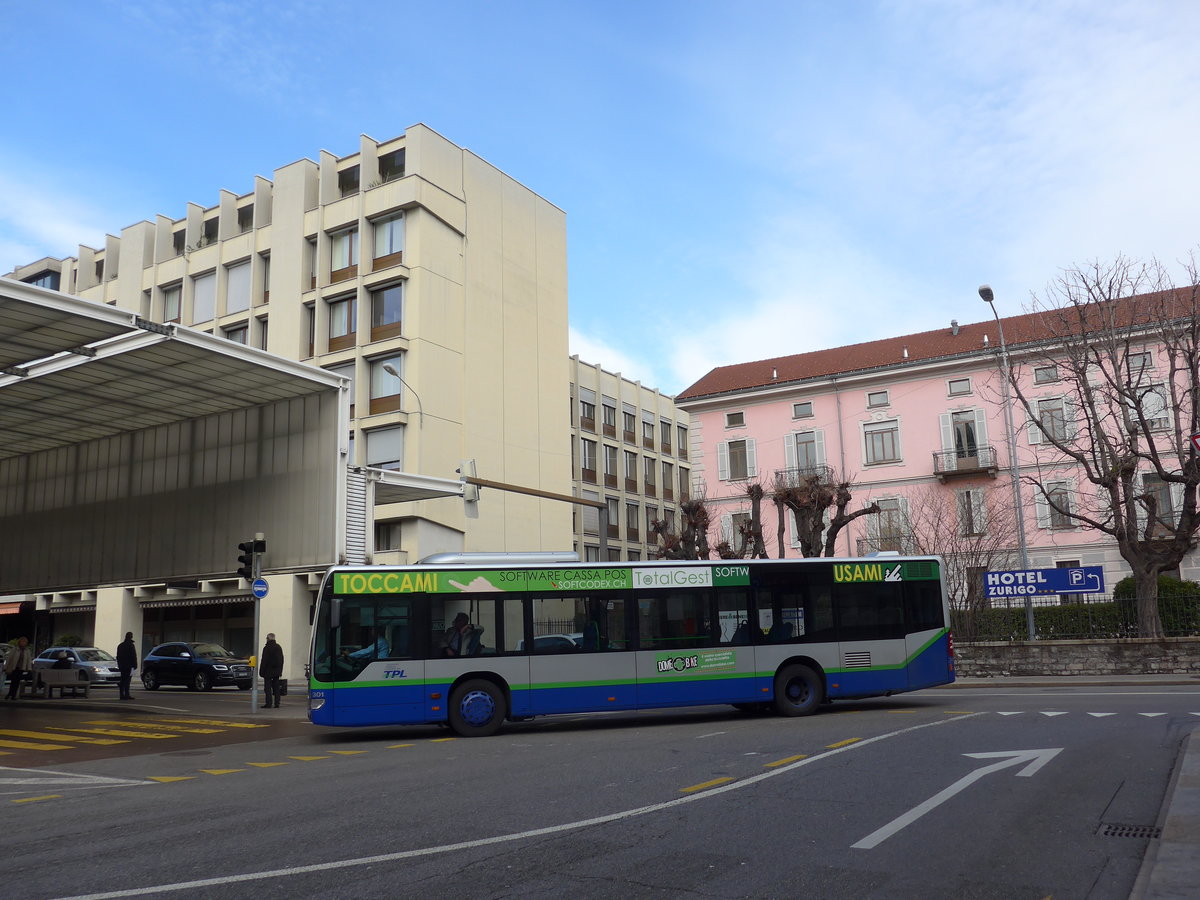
x: 19, y: 665
x: 126, y: 663
x: 270, y: 667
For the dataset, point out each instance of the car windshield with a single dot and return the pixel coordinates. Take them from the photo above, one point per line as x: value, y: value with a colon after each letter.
x: 93, y: 654
x: 211, y: 650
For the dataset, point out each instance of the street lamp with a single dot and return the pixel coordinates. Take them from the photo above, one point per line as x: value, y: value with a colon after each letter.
x: 985, y: 293
x: 391, y: 370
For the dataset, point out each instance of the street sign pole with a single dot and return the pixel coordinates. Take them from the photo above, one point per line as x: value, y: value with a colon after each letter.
x: 255, y: 662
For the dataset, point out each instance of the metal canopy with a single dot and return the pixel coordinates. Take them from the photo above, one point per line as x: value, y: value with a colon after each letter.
x: 131, y: 376
x: 404, y: 487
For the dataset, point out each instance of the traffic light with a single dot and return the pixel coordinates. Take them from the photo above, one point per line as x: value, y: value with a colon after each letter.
x: 246, y: 558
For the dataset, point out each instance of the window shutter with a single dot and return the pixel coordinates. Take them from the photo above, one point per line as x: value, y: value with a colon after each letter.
x: 1176, y: 502
x: 1043, y: 510
x: 949, y: 460
x: 979, y: 504
x: 1069, y: 417
x: 789, y: 451
x: 723, y: 461
x: 727, y: 528
x: 751, y: 459
x: 1035, y: 430
x: 819, y: 439
x: 981, y: 439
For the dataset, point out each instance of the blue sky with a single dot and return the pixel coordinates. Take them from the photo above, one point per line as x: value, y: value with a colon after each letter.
x: 741, y: 180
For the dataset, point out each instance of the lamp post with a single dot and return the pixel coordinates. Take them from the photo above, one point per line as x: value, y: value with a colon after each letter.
x: 391, y: 370
x: 985, y: 293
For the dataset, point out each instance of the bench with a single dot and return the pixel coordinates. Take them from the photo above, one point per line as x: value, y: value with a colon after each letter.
x: 63, y: 679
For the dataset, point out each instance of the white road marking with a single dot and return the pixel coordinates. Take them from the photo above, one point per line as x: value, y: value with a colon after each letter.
x: 1034, y: 759
x: 1053, y: 713
x: 506, y: 838
x: 17, y: 778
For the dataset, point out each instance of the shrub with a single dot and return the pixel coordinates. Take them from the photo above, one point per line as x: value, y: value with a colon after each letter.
x: 1168, y: 588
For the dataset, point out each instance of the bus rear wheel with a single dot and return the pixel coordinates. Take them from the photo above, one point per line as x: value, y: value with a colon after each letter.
x: 477, y: 708
x: 798, y: 691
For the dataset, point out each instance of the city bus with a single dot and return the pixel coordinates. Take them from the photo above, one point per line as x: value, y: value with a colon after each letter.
x: 472, y: 640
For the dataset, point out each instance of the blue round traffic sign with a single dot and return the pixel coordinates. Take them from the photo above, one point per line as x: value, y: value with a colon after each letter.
x: 259, y: 588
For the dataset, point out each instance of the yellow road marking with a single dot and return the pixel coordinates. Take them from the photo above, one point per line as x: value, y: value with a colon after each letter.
x: 707, y: 784
x: 845, y: 743
x: 221, y: 771
x: 398, y: 746
x: 220, y: 722
x: 22, y: 745
x: 167, y: 779
x: 266, y: 765
x: 59, y: 737
x: 157, y: 725
x: 347, y: 752
x: 785, y: 761
x: 39, y: 799
x: 115, y: 732
x: 441, y: 740
x: 901, y: 711
x: 307, y: 758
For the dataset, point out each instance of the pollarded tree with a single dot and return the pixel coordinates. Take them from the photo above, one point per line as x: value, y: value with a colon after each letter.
x: 1124, y: 342
x: 818, y: 499
x: 691, y: 542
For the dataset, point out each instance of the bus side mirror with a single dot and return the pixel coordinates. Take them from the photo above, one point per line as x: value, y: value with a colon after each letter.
x: 335, y: 612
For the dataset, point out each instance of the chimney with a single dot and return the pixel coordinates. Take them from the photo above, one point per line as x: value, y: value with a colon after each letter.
x: 986, y: 343
x: 906, y: 352
x: 774, y: 374
x: 954, y: 327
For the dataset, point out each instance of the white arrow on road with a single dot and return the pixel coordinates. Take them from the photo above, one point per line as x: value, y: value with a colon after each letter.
x: 1033, y: 759
x: 19, y: 778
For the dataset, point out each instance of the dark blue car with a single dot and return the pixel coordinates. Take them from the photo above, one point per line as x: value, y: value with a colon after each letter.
x: 199, y: 665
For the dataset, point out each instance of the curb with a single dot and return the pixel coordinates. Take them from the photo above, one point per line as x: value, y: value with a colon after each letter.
x: 1171, y: 867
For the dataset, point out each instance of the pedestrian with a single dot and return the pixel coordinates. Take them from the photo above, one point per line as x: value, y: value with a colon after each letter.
x: 18, y: 665
x: 270, y: 668
x: 126, y: 663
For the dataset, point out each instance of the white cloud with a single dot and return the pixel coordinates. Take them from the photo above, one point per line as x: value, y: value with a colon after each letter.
x: 37, y: 220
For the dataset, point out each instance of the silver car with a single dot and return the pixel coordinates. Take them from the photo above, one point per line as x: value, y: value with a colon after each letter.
x: 100, y: 665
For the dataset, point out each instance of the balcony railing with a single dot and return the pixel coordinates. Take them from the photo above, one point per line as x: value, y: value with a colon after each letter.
x: 952, y: 463
x: 794, y: 477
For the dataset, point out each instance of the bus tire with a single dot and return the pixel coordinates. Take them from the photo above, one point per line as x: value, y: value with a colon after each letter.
x: 798, y: 691
x: 477, y: 708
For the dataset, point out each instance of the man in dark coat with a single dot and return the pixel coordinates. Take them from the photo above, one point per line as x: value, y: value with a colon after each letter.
x: 270, y: 668
x: 126, y: 663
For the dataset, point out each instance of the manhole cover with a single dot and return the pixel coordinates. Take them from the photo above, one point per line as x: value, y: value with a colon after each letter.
x: 1133, y: 831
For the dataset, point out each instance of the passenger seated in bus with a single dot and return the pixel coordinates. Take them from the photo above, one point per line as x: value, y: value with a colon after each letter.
x: 742, y: 634
x: 780, y: 632
x: 461, y: 638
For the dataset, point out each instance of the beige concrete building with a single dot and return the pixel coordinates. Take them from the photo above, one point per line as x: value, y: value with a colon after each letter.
x: 433, y: 281
x: 630, y: 449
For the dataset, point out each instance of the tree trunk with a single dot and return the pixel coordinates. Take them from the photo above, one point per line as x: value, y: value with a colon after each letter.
x: 1149, y: 621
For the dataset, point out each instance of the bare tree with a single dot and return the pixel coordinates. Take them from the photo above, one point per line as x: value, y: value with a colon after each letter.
x: 818, y: 500
x: 691, y: 542
x: 1125, y: 343
x: 972, y: 530
x: 747, y: 537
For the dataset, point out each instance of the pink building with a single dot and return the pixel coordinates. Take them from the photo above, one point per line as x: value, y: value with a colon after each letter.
x: 917, y: 424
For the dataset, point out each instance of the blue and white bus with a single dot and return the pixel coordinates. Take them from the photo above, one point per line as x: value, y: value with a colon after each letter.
x: 480, y: 639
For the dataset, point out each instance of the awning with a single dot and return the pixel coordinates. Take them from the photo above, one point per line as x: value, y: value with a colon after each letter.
x: 74, y: 607
x: 196, y: 601
x: 7, y: 609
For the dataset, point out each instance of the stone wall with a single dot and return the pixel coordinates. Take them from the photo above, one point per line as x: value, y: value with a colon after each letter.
x: 1133, y: 656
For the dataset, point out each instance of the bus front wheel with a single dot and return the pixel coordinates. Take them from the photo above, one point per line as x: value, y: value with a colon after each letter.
x: 798, y: 691
x: 476, y: 708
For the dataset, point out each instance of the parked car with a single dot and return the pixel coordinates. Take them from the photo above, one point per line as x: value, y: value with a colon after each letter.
x: 100, y: 665
x: 198, y: 664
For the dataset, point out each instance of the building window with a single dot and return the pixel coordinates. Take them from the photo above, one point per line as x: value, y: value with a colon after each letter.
x: 237, y: 288
x: 386, y: 395
x: 385, y: 448
x: 1051, y: 422
x: 610, y: 466
x: 648, y: 430
x: 262, y: 333
x: 346, y: 370
x: 971, y: 518
x: 178, y: 242
x: 804, y: 452
x: 891, y: 525
x: 311, y: 252
x: 648, y: 479
x: 881, y: 442
x: 613, y: 510
x: 391, y: 165
x: 342, y: 318
x: 631, y: 464
x: 1154, y: 408
x: 587, y: 464
x: 245, y: 218
x: 237, y: 333
x: 171, y: 296
x: 685, y: 489
x: 736, y: 460
x: 1055, y: 505
x: 204, y: 297
x: 1138, y: 364
x: 387, y: 310
x: 310, y: 316
x: 1045, y: 374
x: 629, y: 424
x: 343, y: 255
x: 876, y: 399
x: 348, y: 181
x: 587, y: 409
x: 48, y: 279
x: 389, y: 241
x: 632, y: 516
x: 266, y: 276
x: 1164, y: 495
x: 210, y: 232
x: 664, y: 431
x: 609, y: 420
x: 735, y: 419
x: 668, y: 481
x: 956, y: 387
x: 681, y: 449
x: 802, y: 410
x: 387, y: 535
x: 651, y: 518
